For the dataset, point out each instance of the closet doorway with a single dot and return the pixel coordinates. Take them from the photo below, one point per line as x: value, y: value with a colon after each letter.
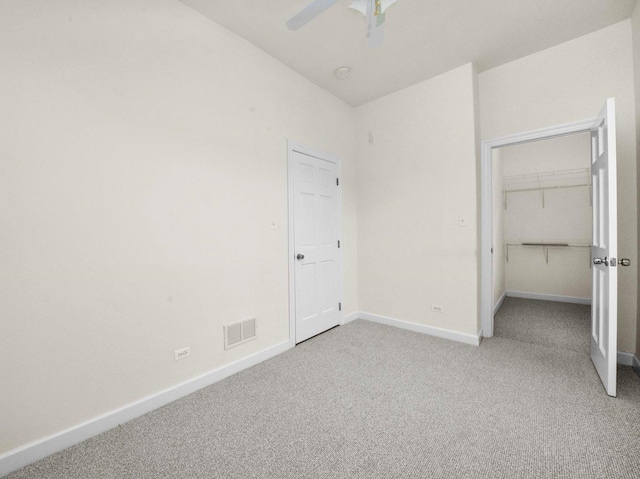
x: 604, y: 234
x: 542, y: 224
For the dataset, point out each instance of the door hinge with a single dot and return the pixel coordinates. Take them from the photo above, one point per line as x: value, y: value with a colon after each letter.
x: 338, y: 243
x: 337, y: 181
x: 339, y: 306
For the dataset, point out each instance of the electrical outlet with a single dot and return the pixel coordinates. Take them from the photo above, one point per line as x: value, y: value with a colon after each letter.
x: 436, y: 308
x: 182, y: 353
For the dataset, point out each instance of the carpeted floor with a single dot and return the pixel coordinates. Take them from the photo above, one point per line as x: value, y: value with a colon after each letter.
x: 547, y: 323
x: 371, y: 401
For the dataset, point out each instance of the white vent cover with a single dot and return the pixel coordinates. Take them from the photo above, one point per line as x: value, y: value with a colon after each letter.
x: 239, y: 333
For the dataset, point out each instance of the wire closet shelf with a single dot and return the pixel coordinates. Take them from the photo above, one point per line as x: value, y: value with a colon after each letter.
x: 546, y: 246
x: 550, y: 180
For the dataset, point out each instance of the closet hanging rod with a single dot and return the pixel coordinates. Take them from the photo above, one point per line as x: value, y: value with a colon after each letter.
x: 542, y: 244
x: 550, y: 180
x: 538, y: 188
x: 542, y: 189
x: 545, y: 248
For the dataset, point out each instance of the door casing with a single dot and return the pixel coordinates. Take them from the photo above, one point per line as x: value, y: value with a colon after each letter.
x: 486, y: 211
x: 293, y: 146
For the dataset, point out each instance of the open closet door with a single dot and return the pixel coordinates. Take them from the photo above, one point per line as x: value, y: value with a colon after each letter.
x: 604, y: 249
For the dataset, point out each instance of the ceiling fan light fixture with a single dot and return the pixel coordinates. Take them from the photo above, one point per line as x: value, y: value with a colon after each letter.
x: 361, y: 6
x: 372, y: 10
x: 342, y: 73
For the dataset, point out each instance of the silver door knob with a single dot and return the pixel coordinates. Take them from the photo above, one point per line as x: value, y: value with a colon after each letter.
x: 300, y: 256
x: 625, y: 262
x: 604, y: 261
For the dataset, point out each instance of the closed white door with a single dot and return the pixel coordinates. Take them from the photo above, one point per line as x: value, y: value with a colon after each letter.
x: 604, y: 250
x: 316, y: 248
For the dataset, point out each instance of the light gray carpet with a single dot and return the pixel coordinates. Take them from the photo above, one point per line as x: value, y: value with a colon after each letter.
x: 370, y: 401
x: 547, y: 323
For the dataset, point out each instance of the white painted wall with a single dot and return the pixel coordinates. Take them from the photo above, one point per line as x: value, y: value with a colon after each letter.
x: 143, y: 160
x: 571, y: 82
x: 565, y: 218
x: 499, y: 281
x: 416, y: 153
x: 635, y: 23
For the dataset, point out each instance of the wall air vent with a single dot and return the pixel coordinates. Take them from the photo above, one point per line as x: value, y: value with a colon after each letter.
x: 239, y: 333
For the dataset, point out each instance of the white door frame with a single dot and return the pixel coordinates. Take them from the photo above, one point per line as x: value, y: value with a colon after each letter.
x: 486, y: 212
x: 293, y: 146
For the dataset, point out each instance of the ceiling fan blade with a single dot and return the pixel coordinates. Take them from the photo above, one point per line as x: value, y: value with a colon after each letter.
x: 309, y: 13
x: 375, y: 26
x: 386, y: 4
x: 359, y: 6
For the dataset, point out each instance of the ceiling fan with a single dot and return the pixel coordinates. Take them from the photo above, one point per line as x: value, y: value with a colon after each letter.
x: 373, y: 11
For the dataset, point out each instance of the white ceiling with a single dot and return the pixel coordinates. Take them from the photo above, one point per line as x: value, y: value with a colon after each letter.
x: 424, y: 38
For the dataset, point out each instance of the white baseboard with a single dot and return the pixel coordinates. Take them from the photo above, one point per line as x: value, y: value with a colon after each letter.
x: 548, y: 297
x: 30, y: 453
x: 499, y: 303
x: 421, y: 328
x: 350, y: 317
x: 625, y: 359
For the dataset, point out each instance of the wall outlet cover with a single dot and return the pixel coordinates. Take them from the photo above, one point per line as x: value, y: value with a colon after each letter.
x: 182, y: 353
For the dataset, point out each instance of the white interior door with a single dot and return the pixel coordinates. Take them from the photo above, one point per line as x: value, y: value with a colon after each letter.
x: 317, y: 251
x: 604, y: 250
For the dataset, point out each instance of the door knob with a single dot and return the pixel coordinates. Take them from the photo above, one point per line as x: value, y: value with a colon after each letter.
x: 624, y: 262
x: 604, y: 261
x: 299, y: 256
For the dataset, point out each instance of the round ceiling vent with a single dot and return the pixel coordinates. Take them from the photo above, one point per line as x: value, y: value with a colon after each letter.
x: 342, y: 73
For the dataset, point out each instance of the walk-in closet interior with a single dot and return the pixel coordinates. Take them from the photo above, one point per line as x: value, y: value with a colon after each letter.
x: 542, y: 215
